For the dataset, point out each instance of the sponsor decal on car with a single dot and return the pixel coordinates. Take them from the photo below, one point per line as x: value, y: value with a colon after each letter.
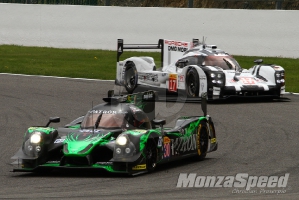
x: 139, y: 167
x: 213, y: 140
x: 181, y: 78
x: 172, y: 82
x: 58, y: 141
x: 166, y: 147
x: 148, y: 96
x: 104, y: 163
x: 160, y: 142
x: 176, y: 43
x: 53, y: 162
x: 182, y: 144
x: 141, y: 131
x: 247, y: 80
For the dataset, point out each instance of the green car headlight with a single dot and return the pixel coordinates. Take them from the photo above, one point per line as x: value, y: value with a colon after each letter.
x: 35, y: 138
x: 121, y: 140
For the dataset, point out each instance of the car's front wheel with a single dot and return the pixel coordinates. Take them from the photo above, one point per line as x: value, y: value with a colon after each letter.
x: 202, y: 141
x: 192, y: 83
x: 151, y: 153
x: 130, y: 77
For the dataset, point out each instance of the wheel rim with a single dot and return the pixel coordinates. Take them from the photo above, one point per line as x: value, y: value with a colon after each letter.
x: 203, y: 141
x: 151, y: 156
x: 130, y: 78
x: 191, y: 85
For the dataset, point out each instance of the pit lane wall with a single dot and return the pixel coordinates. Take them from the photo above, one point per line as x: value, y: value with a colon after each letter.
x: 239, y: 32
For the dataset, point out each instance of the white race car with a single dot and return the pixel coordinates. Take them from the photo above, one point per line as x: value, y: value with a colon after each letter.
x: 193, y: 68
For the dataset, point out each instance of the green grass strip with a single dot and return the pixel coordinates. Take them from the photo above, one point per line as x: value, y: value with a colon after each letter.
x: 101, y: 64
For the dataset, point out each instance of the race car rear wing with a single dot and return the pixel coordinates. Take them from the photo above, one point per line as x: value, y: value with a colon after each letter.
x: 171, y: 50
x: 121, y: 46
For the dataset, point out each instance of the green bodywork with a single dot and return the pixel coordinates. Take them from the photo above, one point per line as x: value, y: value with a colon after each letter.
x: 82, y: 146
x: 73, y: 146
x: 46, y: 130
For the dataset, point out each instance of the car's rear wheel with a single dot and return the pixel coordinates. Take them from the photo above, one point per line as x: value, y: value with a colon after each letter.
x: 202, y: 141
x: 130, y: 77
x: 151, y: 153
x: 192, y: 83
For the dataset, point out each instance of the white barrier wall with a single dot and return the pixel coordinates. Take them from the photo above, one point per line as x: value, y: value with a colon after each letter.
x: 239, y: 32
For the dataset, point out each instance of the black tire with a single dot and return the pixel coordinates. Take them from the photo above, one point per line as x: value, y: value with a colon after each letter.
x: 202, y: 141
x: 192, y: 83
x: 151, y: 153
x: 130, y: 77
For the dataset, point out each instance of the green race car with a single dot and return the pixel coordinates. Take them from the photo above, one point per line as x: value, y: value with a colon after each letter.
x: 119, y: 136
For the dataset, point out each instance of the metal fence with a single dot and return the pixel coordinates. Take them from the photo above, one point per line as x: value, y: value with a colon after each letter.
x: 232, y: 4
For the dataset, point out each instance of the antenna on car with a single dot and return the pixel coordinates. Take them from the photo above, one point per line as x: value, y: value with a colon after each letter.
x: 92, y: 117
x: 204, y: 41
x: 204, y: 103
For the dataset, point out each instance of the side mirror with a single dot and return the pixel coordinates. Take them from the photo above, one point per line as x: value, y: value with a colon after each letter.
x: 160, y: 122
x: 258, y: 61
x: 181, y: 63
x: 204, y: 103
x: 110, y: 93
x: 53, y: 120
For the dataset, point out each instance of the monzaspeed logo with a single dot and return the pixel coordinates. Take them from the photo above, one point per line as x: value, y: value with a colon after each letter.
x: 240, y: 180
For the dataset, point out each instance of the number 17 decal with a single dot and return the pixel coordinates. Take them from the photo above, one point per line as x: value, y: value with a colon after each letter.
x: 172, y: 82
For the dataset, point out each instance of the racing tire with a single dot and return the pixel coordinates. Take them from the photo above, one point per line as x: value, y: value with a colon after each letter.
x: 151, y: 154
x: 202, y: 141
x: 192, y: 83
x: 130, y: 77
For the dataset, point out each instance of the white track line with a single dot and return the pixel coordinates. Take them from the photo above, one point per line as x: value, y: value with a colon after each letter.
x: 84, y: 79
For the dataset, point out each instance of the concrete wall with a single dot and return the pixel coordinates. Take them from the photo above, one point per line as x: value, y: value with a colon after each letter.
x: 239, y: 32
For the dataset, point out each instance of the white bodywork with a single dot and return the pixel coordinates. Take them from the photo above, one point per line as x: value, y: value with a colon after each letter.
x: 173, y: 78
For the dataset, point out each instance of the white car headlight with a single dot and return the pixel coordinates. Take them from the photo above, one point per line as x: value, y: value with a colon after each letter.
x: 213, y: 75
x: 121, y: 140
x: 35, y: 138
x: 219, y: 75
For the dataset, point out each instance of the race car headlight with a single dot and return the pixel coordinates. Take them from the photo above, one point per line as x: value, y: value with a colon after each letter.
x: 277, y: 75
x: 36, y: 138
x: 121, y: 140
x: 216, y: 78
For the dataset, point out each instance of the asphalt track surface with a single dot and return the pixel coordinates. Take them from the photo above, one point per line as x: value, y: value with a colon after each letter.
x: 255, y: 137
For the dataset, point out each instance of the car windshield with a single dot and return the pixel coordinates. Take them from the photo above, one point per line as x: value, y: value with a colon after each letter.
x: 104, y: 120
x: 225, y: 62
